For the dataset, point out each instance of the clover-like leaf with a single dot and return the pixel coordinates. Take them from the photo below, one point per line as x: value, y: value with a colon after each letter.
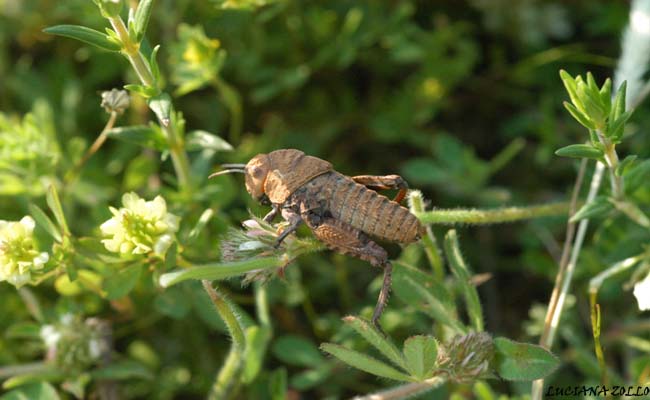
x: 523, y: 361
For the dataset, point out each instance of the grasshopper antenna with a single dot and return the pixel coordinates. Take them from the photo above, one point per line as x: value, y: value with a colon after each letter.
x: 229, y: 169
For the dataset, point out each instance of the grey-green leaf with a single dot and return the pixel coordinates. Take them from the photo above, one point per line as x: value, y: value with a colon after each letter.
x: 364, y: 362
x: 624, y: 165
x: 120, y: 283
x: 85, y: 35
x: 580, y: 151
x: 200, y: 140
x: 598, y: 207
x: 377, y: 339
x: 219, y: 270
x: 142, y: 135
x: 45, y: 222
x: 420, y: 353
x: 522, y: 361
x: 53, y: 201
x: 296, y: 350
x: 161, y: 105
x: 142, y: 14
x: 36, y: 390
x: 257, y: 340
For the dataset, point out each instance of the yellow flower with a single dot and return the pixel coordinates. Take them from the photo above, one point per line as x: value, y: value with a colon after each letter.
x: 18, y: 256
x: 140, y: 227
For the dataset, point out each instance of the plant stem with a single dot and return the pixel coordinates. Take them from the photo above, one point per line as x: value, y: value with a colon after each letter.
x: 611, y: 157
x: 405, y: 391
x: 73, y: 173
x: 227, y: 313
x: 429, y: 241
x: 226, y: 384
x: 141, y: 67
x: 566, y: 270
x: 500, y: 215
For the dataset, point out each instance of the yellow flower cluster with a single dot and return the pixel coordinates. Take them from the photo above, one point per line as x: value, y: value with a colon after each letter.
x: 140, y: 227
x: 18, y: 256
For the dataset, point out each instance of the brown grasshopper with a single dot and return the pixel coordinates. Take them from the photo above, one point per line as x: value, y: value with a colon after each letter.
x: 342, y: 211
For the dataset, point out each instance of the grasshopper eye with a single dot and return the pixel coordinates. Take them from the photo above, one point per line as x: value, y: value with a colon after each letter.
x: 257, y: 172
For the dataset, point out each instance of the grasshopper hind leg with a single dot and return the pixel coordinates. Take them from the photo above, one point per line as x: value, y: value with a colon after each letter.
x: 345, y: 239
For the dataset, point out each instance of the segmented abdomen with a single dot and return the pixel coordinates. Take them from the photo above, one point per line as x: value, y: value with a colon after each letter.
x: 371, y: 212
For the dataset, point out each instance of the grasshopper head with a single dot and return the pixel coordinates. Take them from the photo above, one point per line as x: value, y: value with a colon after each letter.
x: 256, y: 172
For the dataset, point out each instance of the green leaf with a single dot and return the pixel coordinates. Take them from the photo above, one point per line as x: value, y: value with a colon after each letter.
x: 257, y: 340
x: 463, y: 275
x: 606, y: 93
x: 45, y: 222
x: 173, y: 302
x: 637, y: 176
x: 579, y: 116
x: 22, y: 330
x: 144, y: 91
x: 624, y: 165
x: 619, y: 102
x: 153, y: 63
x: 632, y: 211
x: 382, y: 343
x: 52, y: 198
x: 278, y: 385
x: 571, y: 88
x: 205, y: 217
x: 364, y: 362
x: 161, y: 105
x: 32, y: 391
x: 616, y: 127
x: 598, y: 207
x: 141, y: 19
x: 522, y: 361
x: 580, y: 151
x: 85, y: 35
x: 296, y: 350
x: 120, y: 283
x: 200, y: 140
x: 121, y: 370
x: 420, y: 353
x: 312, y: 377
x: 426, y: 294
x: 142, y: 135
x: 219, y: 270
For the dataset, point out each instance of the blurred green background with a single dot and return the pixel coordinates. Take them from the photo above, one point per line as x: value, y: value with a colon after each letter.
x: 462, y: 98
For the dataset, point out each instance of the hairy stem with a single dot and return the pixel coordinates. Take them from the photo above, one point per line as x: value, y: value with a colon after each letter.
x: 500, y: 215
x: 405, y: 391
x: 227, y: 313
x: 428, y: 240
